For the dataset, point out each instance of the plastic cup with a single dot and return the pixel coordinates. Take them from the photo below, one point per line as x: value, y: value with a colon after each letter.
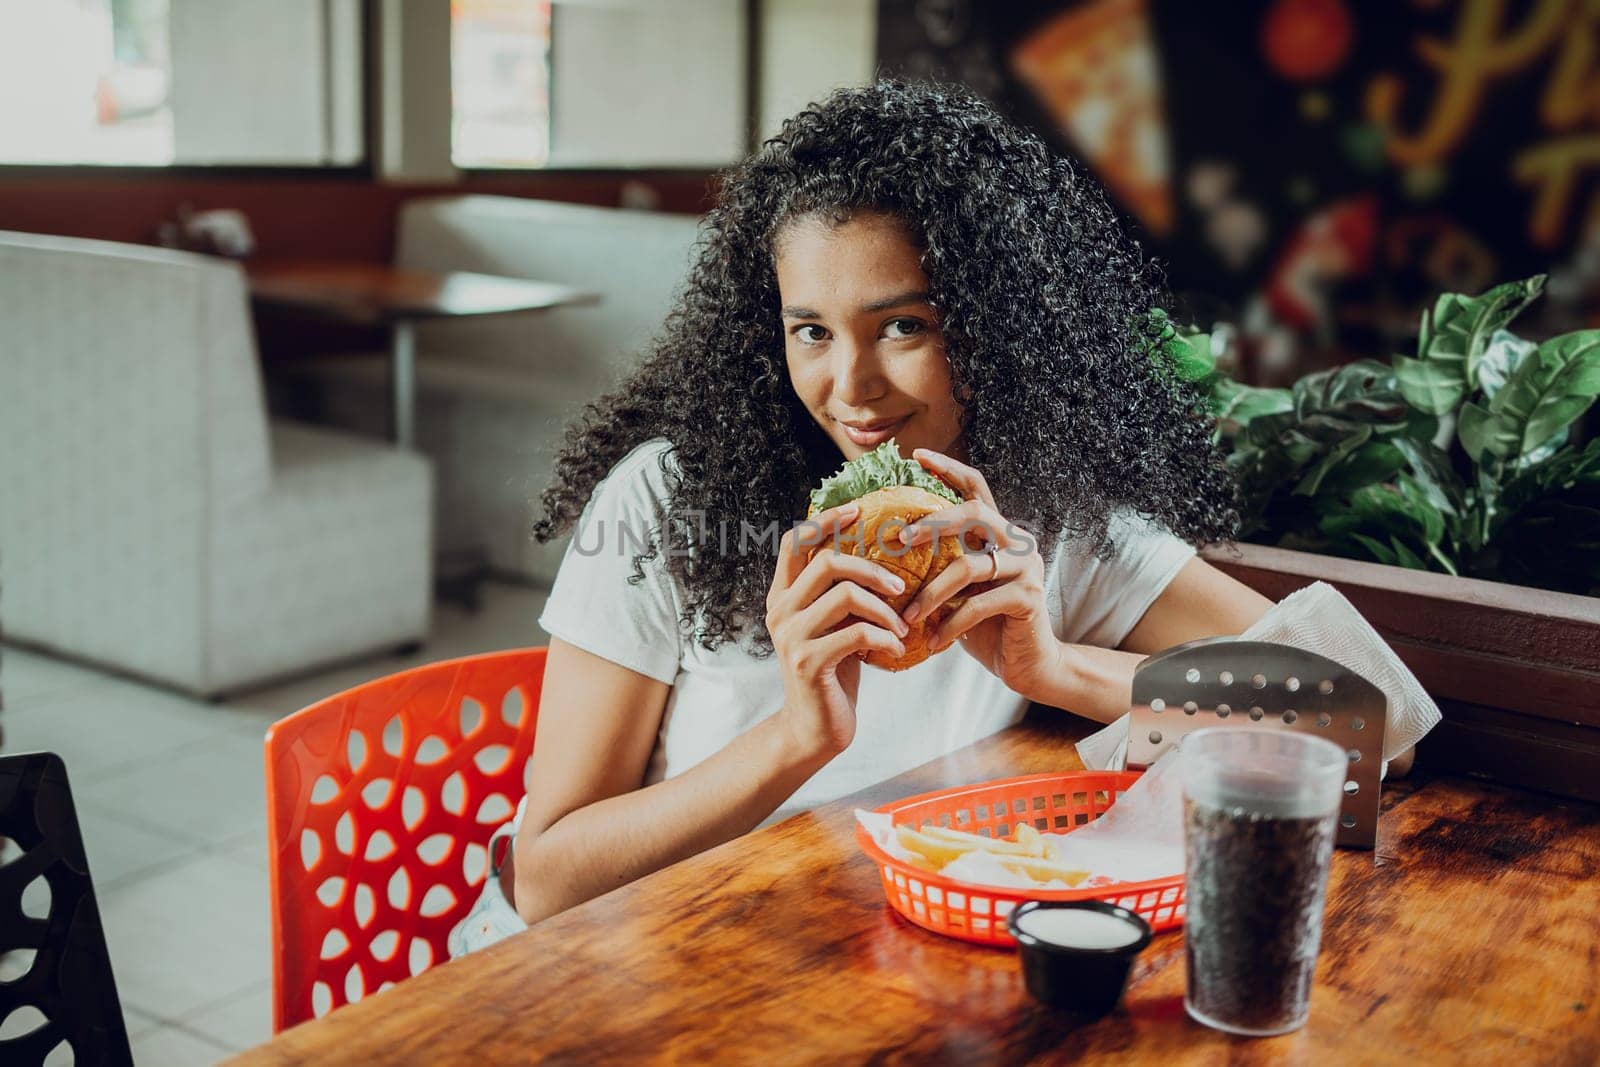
x: 1260, y: 812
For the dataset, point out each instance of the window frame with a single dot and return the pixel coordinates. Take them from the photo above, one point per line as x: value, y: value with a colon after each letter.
x: 752, y: 115
x: 365, y: 168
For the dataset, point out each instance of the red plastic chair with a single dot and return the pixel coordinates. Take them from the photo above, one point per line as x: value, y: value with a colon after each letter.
x: 380, y: 803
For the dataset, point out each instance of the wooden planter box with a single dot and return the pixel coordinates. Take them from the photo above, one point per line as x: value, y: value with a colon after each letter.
x: 1516, y: 671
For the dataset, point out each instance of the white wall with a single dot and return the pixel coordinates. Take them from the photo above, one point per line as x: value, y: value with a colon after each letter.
x: 414, y: 90
x: 347, y: 29
x: 643, y: 83
x: 247, y: 81
x: 808, y: 49
x: 250, y: 81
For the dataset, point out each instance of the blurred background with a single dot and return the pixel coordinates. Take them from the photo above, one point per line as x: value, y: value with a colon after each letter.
x: 1314, y: 171
x: 297, y: 296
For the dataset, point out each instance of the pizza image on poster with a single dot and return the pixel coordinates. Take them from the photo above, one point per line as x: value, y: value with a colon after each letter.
x: 1094, y: 69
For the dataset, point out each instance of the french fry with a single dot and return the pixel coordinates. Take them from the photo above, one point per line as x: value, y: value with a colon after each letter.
x: 967, y: 842
x: 1030, y: 839
x: 1032, y: 854
x: 1041, y: 870
x: 937, y: 851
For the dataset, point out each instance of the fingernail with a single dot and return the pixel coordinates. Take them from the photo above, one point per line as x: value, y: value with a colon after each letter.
x: 896, y: 582
x: 911, y: 614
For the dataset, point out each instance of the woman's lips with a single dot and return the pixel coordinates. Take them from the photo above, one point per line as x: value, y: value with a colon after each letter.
x: 872, y: 434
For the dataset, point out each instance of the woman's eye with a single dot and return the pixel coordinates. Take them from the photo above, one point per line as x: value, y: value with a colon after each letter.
x: 810, y: 334
x: 903, y: 327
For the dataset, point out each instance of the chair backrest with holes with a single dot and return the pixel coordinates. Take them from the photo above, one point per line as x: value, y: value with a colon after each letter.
x: 55, y: 971
x: 380, y: 803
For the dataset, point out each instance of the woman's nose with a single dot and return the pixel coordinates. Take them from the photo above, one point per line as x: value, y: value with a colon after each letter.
x: 857, y: 374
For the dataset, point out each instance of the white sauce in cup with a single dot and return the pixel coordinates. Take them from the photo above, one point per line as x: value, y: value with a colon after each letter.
x: 1079, y: 928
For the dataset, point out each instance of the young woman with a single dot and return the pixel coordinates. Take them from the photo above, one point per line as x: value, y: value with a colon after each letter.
x: 898, y: 262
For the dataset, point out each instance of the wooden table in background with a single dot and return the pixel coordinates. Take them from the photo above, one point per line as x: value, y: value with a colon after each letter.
x: 1472, y: 935
x: 369, y: 294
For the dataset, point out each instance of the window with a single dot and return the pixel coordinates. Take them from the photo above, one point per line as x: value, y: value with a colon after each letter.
x: 599, y: 83
x: 500, y: 82
x: 160, y: 82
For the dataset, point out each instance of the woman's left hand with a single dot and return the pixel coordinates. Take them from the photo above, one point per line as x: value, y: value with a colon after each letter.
x: 1003, y: 623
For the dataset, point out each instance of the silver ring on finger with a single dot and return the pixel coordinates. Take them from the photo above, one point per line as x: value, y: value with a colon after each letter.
x: 993, y: 549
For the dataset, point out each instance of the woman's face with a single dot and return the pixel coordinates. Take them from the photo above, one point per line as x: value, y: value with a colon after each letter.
x: 863, y: 346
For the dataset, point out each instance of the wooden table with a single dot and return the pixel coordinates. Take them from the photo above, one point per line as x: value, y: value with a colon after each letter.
x: 371, y: 294
x: 1472, y: 935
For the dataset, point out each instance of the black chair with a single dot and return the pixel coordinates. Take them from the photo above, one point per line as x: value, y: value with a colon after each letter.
x: 69, y: 979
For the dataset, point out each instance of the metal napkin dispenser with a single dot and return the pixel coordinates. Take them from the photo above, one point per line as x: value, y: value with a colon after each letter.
x: 1258, y: 685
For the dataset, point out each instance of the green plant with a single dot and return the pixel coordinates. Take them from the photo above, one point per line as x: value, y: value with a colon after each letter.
x: 1462, y: 459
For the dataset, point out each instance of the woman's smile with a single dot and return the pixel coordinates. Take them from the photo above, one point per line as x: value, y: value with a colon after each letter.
x: 870, y: 433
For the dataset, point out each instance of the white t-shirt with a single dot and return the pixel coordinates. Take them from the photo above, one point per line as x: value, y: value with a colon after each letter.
x: 903, y: 719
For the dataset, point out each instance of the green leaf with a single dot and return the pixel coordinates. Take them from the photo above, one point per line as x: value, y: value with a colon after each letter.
x: 1379, y: 551
x: 1188, y: 352
x: 1452, y: 341
x: 1544, y: 394
x: 1191, y: 356
x: 1554, y: 541
x: 1240, y: 404
x: 1372, y: 464
x: 1393, y: 525
x: 1477, y: 430
x: 1568, y: 469
x: 1444, y: 561
x: 1363, y: 382
x: 1405, y: 556
x: 1462, y: 326
x: 1559, y: 440
x: 1431, y: 473
x: 1433, y: 387
x: 1422, y: 508
x: 1298, y: 450
x: 1506, y: 352
x: 1309, y: 484
x: 1550, y: 418
x: 1420, y: 426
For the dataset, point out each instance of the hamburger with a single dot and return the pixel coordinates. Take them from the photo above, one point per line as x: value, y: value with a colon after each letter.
x: 893, y: 492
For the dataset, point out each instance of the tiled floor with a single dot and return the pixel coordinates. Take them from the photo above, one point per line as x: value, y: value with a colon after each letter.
x: 171, y: 799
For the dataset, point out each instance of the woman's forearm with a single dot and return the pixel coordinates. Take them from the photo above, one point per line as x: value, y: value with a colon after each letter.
x: 1096, y: 683
x: 614, y: 841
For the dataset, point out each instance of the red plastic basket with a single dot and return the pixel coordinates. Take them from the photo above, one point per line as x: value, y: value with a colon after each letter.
x: 1053, y: 803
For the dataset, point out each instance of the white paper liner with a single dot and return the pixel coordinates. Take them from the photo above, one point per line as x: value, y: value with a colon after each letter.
x: 1137, y: 839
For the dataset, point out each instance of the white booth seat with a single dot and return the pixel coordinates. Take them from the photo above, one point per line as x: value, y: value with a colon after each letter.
x: 152, y: 519
x: 496, y: 394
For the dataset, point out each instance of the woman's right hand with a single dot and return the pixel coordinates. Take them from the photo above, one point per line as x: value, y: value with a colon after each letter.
x: 825, y: 610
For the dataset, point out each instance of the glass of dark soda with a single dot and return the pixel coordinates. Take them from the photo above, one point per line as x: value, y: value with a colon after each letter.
x: 1260, y: 811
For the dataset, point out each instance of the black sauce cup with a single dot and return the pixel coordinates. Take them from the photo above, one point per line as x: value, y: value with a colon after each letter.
x: 1087, y: 981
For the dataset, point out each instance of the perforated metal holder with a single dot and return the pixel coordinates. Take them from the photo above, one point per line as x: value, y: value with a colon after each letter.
x: 1260, y: 685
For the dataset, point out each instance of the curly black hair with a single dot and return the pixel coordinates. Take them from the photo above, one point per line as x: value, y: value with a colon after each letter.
x: 1043, y: 300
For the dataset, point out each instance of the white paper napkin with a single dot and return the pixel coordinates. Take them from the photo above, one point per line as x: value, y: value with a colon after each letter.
x: 1318, y: 619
